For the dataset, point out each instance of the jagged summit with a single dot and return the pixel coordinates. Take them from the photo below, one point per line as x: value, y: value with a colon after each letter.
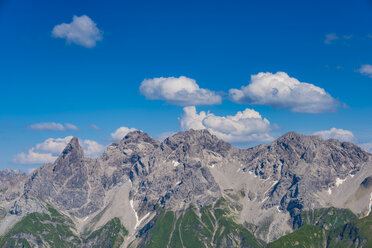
x: 197, y: 140
x: 72, y: 153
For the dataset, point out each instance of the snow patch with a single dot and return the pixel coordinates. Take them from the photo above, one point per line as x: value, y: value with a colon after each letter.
x: 339, y: 181
x: 329, y: 191
x: 369, y: 205
x: 138, y: 222
x: 277, y: 208
x: 176, y: 163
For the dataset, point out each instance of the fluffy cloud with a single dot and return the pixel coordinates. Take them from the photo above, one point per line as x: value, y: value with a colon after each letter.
x: 91, y: 148
x: 281, y: 91
x: 245, y: 126
x: 81, y: 31
x: 52, y: 126
x: 34, y: 157
x: 335, y: 133
x: 366, y: 70
x: 121, y: 132
x: 48, y: 151
x: 53, y: 145
x: 181, y: 91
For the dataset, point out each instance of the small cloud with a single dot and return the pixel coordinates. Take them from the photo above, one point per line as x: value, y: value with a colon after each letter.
x: 367, y: 147
x: 81, y: 31
x: 181, y: 91
x: 94, y: 126
x: 121, y: 132
x: 279, y: 90
x: 366, y: 70
x: 48, y: 151
x: 330, y: 38
x: 243, y: 127
x: 69, y: 126
x: 335, y: 133
x: 52, y: 126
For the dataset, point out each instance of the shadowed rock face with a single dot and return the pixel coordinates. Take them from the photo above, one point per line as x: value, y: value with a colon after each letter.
x: 183, y: 169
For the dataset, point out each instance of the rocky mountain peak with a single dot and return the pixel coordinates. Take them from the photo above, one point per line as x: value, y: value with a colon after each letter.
x: 196, y: 141
x: 296, y: 139
x: 138, y: 137
x: 72, y: 151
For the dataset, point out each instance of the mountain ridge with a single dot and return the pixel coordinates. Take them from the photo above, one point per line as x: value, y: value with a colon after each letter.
x: 270, y: 184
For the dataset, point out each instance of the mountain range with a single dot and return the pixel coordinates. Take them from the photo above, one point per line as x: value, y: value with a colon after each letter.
x: 193, y: 190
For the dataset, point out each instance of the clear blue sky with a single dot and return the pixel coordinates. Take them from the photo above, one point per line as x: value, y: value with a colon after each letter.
x: 220, y: 44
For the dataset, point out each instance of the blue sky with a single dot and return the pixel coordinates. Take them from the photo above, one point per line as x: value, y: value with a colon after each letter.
x: 46, y: 77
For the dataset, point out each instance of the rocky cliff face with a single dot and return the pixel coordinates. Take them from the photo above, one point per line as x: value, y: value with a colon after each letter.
x: 270, y: 184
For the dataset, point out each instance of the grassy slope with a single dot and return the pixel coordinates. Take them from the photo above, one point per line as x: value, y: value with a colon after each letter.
x: 57, y: 230
x: 333, y: 228
x: 212, y: 226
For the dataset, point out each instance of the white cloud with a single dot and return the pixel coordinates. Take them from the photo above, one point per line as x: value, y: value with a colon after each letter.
x: 81, y: 31
x: 181, y: 91
x: 91, y: 148
x: 330, y: 38
x: 94, y: 126
x: 121, y: 132
x: 282, y: 91
x: 48, y: 151
x: 52, y: 126
x: 366, y: 70
x: 53, y: 145
x: 245, y: 126
x: 335, y: 133
x: 367, y: 147
x: 70, y: 126
x: 33, y: 157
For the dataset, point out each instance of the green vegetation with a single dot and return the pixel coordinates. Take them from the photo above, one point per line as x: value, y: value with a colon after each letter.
x: 328, y: 218
x: 112, y: 234
x: 305, y: 236
x: 41, y: 229
x: 212, y: 226
x: 162, y: 229
x: 54, y: 229
x: 329, y: 227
